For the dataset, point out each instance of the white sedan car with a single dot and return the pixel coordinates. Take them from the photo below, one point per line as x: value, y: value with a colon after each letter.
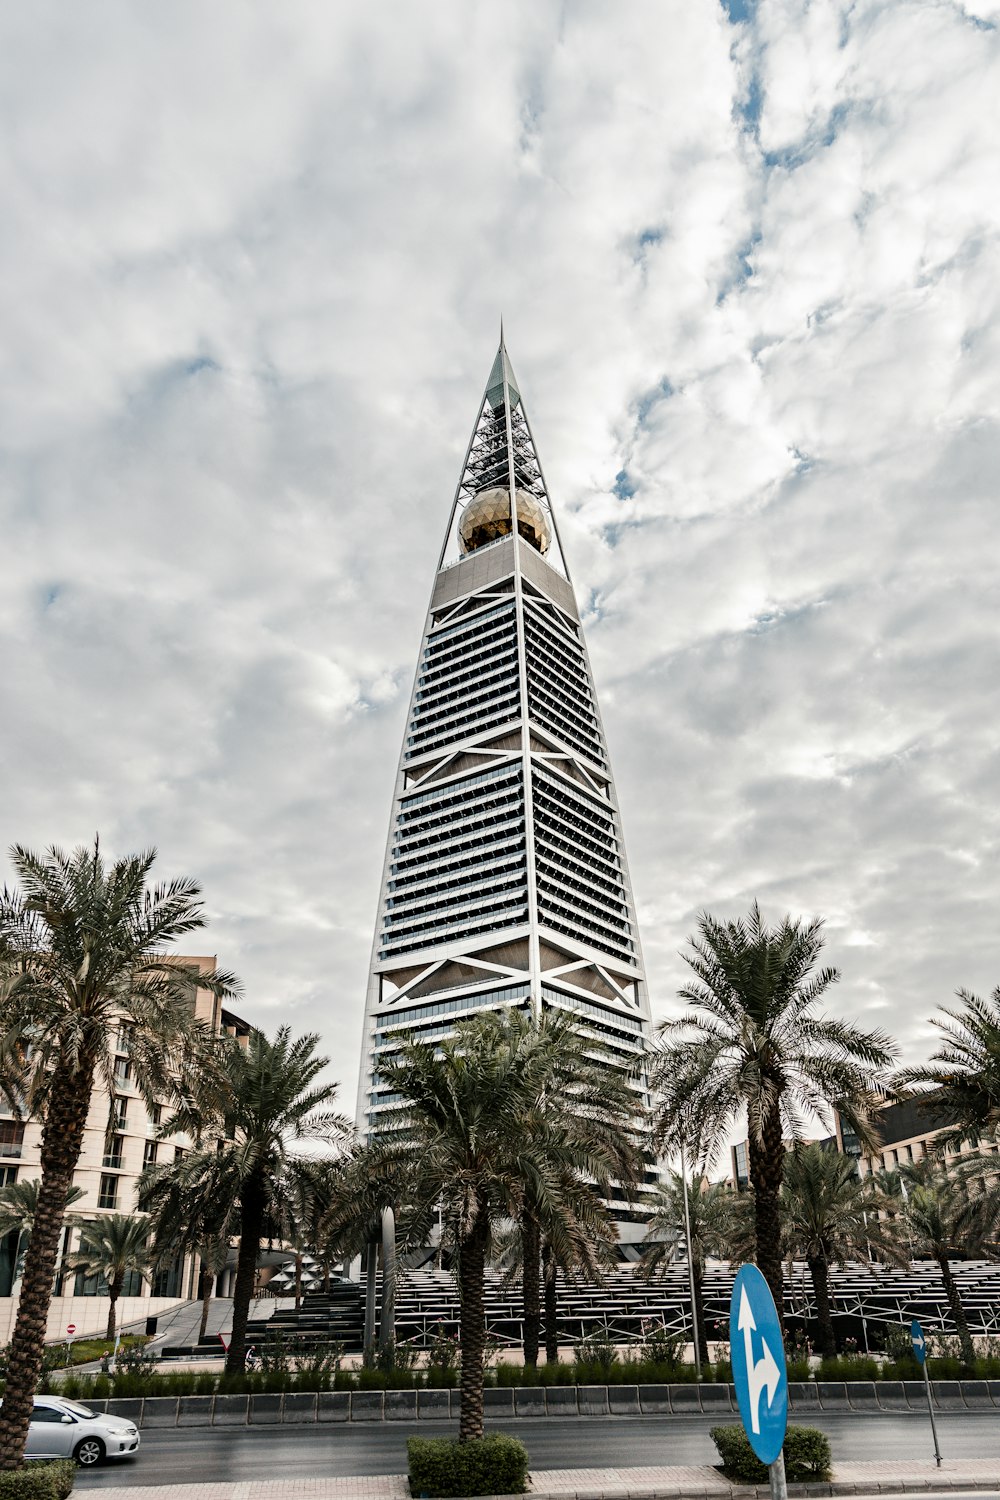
x: 65, y: 1429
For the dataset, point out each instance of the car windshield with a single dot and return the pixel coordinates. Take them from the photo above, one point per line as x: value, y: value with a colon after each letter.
x: 81, y: 1411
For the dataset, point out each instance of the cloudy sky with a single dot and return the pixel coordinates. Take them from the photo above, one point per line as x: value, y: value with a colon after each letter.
x: 252, y: 265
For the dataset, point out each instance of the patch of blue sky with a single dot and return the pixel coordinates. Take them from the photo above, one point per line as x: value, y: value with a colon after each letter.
x: 645, y: 404
x: 624, y: 485
x: 744, y: 262
x: 201, y: 362
x: 593, y: 609
x: 791, y: 157
x: 170, y: 376
x: 747, y: 110
x: 615, y: 530
x: 647, y: 239
x: 50, y: 593
x: 738, y: 11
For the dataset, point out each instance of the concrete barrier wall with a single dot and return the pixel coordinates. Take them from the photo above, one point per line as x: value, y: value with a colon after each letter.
x: 539, y: 1401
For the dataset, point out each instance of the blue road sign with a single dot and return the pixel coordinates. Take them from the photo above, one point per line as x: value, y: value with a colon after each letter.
x: 758, y: 1358
x: 918, y: 1341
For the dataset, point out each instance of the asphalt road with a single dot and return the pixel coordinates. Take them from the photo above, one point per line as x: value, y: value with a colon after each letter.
x: 328, y: 1451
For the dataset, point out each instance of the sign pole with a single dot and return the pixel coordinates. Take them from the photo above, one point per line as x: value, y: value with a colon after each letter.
x: 776, y: 1474
x: 919, y: 1342
x: 930, y: 1408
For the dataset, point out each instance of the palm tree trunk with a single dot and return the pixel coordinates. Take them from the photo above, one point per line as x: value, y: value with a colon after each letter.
x: 957, y: 1311
x: 62, y: 1139
x: 472, y: 1313
x: 251, y: 1226
x: 767, y: 1166
x: 205, y: 1279
x: 826, y: 1342
x: 530, y: 1288
x: 298, y: 1279
x: 114, y: 1292
x: 551, y: 1305
x: 699, y: 1309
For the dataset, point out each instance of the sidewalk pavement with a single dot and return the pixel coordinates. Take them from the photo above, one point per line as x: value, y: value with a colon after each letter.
x: 675, y: 1482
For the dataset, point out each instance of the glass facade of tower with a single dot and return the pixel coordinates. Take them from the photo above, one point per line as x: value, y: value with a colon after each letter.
x: 505, y: 880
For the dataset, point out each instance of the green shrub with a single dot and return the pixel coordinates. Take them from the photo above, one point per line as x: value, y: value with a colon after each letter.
x: 806, y: 1449
x: 62, y: 1473
x: 52, y: 1481
x: 494, y: 1465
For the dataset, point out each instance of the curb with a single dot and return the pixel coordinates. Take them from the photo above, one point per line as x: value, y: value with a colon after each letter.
x: 758, y: 1492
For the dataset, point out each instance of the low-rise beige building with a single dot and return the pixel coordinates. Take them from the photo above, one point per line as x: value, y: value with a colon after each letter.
x: 121, y: 1138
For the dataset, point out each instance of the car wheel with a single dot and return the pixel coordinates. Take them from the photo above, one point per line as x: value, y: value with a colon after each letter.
x: 88, y: 1452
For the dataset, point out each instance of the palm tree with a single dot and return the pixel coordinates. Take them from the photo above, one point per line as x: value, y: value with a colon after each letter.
x: 111, y: 1247
x: 81, y: 954
x: 18, y: 1206
x: 713, y: 1208
x: 476, y: 1142
x: 263, y: 1100
x: 965, y: 1070
x: 755, y: 1043
x: 182, y: 1215
x: 831, y: 1215
x: 590, y: 1103
x: 949, y: 1209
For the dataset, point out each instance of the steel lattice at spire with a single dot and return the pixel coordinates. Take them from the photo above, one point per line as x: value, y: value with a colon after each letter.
x: 502, y: 456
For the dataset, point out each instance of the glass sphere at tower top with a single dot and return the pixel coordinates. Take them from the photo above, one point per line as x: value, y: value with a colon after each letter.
x: 486, y: 518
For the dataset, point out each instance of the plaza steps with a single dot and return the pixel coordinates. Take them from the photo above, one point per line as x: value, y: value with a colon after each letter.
x: 333, y: 1317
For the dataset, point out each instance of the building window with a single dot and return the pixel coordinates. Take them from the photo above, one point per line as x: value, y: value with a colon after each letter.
x: 167, y: 1280
x: 11, y: 1138
x: 156, y: 1114
x: 149, y: 1154
x: 123, y: 1071
x: 119, y: 1114
x: 113, y: 1145
x: 7, y: 1176
x: 107, y: 1197
x: 178, y: 1152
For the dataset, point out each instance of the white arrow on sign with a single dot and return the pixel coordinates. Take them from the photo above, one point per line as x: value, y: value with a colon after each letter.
x: 918, y: 1340
x: 765, y: 1372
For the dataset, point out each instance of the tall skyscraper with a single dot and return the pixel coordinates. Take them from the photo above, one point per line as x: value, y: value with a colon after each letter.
x: 505, y: 880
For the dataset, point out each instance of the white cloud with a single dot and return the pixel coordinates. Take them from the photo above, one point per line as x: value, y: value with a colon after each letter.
x: 250, y: 278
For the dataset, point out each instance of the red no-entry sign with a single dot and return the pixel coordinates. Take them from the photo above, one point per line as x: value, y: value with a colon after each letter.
x: 70, y: 1327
